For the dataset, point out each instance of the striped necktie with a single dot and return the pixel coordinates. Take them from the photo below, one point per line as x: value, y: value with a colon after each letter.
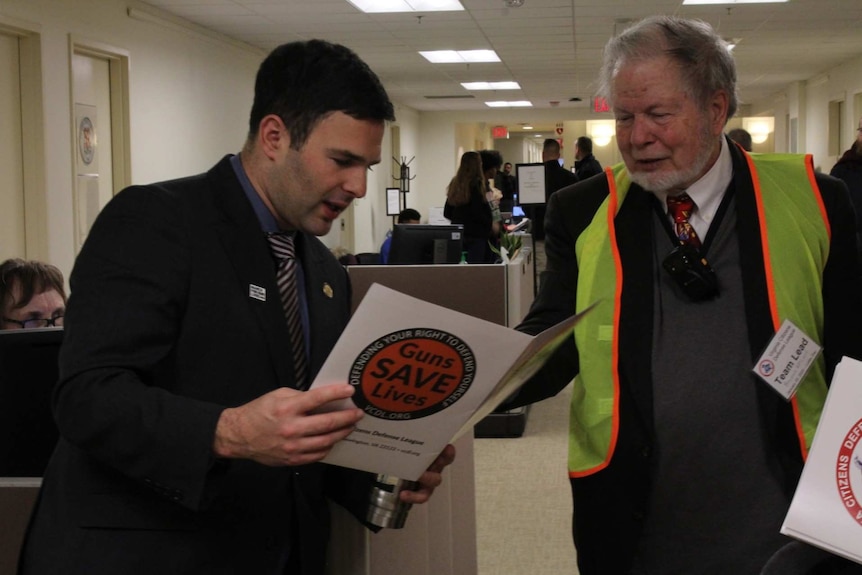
x: 680, y: 208
x: 283, y: 251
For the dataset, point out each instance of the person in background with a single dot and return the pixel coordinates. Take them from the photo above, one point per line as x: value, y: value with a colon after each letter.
x: 406, y: 216
x: 31, y: 295
x: 505, y: 182
x: 681, y: 459
x: 189, y: 440
x: 344, y: 256
x: 741, y: 137
x: 586, y: 164
x: 556, y: 177
x: 491, y: 162
x: 466, y: 204
x: 849, y: 169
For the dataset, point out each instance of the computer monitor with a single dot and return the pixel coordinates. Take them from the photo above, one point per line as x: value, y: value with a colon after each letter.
x: 28, y: 373
x: 426, y: 244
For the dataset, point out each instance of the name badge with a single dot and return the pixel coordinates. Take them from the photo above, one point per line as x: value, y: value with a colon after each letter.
x: 256, y: 292
x: 787, y: 359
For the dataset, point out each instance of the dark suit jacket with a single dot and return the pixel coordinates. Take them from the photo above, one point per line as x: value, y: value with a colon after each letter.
x: 162, y: 334
x: 610, y: 505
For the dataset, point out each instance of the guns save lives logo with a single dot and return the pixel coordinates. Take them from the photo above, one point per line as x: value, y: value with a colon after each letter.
x: 412, y: 373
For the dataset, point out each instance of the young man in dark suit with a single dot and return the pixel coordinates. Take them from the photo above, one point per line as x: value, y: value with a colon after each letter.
x: 188, y: 444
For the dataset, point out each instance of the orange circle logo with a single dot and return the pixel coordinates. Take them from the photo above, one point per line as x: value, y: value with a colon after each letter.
x: 412, y: 373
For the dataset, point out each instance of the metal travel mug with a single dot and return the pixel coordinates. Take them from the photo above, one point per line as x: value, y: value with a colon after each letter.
x: 385, y: 508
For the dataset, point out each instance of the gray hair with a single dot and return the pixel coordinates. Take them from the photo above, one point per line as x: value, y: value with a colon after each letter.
x: 704, y: 60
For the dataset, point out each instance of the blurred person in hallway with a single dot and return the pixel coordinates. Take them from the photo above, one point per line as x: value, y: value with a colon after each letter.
x: 492, y: 160
x: 741, y: 137
x: 405, y: 216
x: 556, y: 177
x: 32, y: 295
x: 681, y: 459
x: 849, y: 169
x: 586, y: 164
x: 467, y: 204
x: 505, y: 182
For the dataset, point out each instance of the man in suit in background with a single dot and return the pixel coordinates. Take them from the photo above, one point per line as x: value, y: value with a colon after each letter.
x: 188, y: 444
x: 586, y: 164
x: 556, y: 177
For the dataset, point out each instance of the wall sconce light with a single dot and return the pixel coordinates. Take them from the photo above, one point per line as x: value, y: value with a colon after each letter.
x: 601, y: 131
x: 760, y: 127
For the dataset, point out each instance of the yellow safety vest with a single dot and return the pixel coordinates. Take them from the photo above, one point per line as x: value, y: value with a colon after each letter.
x: 795, y: 236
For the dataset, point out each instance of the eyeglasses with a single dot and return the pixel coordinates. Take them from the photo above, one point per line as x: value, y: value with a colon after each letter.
x: 37, y: 322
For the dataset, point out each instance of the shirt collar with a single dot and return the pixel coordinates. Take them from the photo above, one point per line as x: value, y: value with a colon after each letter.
x: 709, y: 190
x: 264, y: 216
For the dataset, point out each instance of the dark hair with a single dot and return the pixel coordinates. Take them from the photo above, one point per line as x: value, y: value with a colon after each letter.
x: 408, y: 214
x: 741, y: 137
x: 491, y: 159
x: 469, y: 177
x: 585, y: 144
x: 303, y: 82
x: 33, y: 277
x: 705, y: 63
x: 551, y: 145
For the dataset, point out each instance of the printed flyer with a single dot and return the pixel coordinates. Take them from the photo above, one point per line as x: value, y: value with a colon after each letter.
x: 826, y: 510
x: 424, y: 374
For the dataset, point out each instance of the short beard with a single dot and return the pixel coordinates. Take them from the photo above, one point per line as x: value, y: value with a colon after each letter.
x: 662, y: 182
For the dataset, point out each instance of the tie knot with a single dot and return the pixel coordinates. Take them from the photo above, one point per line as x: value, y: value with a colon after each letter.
x: 281, y: 245
x: 680, y: 207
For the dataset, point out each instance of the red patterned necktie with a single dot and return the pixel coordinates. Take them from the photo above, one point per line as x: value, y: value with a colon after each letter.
x: 680, y: 208
x: 282, y: 249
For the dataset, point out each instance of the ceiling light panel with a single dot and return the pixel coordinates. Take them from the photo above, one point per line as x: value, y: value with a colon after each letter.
x: 695, y: 2
x: 381, y: 6
x: 460, y: 56
x: 514, y: 104
x: 491, y: 85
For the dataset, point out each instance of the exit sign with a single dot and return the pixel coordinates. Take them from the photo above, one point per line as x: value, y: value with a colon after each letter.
x: 600, y: 105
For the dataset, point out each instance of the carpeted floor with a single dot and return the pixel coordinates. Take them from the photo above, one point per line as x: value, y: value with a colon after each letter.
x: 523, y: 500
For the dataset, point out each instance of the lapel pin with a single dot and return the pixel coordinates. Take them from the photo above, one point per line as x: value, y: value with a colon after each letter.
x: 256, y: 292
x: 327, y: 290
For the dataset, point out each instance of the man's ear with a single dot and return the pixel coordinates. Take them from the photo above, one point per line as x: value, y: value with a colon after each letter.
x: 718, y: 106
x: 272, y: 136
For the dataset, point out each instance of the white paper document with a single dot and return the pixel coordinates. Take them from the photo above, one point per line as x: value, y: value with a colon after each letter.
x: 424, y: 374
x: 827, y: 507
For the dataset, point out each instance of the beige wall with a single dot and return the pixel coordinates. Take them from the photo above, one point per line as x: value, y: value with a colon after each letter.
x: 190, y: 91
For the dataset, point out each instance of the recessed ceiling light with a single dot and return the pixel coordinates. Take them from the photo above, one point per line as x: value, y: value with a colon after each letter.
x: 514, y: 104
x: 491, y: 85
x: 460, y: 56
x: 378, y: 6
x: 693, y: 2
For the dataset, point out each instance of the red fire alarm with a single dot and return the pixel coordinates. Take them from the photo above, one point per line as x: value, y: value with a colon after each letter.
x: 600, y: 105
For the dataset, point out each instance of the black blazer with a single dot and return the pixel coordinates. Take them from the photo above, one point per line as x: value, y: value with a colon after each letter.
x: 161, y: 335
x: 610, y: 505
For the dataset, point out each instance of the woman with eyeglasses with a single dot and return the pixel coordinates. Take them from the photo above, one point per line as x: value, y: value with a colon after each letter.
x: 31, y: 295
